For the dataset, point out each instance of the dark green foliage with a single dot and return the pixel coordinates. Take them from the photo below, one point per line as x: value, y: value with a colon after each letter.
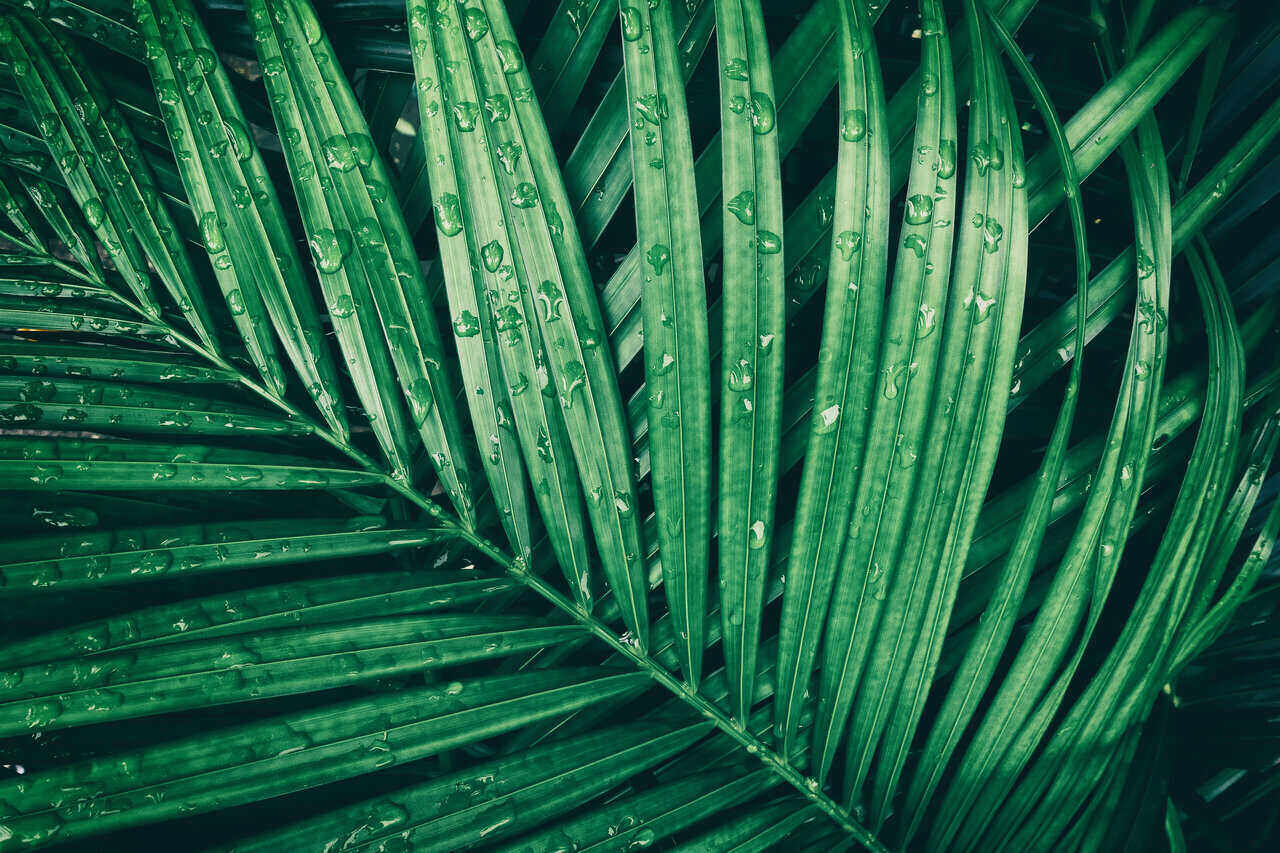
x: 610, y: 424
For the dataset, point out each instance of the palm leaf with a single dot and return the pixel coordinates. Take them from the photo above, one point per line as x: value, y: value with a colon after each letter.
x: 753, y: 332
x: 677, y: 362
x: 850, y: 334
x: 964, y: 597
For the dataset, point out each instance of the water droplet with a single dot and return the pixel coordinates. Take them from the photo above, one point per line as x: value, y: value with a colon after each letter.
x: 853, y: 125
x: 740, y: 376
x: 466, y: 325
x: 525, y: 195
x: 508, y: 323
x: 345, y: 152
x: 330, y: 248
x: 848, y: 242
x: 828, y: 418
x: 642, y: 839
x: 658, y: 256
x: 1146, y: 266
x: 211, y: 233
x: 978, y: 303
x: 43, y: 475
x: 37, y: 391
x: 946, y: 158
x: 491, y: 255
x: 763, y: 116
x: 919, y: 209
x: 238, y: 137
x: 631, y: 23
x: 448, y: 215
x: 550, y: 299
x: 476, y: 24
x: 575, y: 376
x: 1151, y: 319
x: 651, y: 108
x: 992, y: 231
x: 510, y: 57
x: 895, y: 376
x: 497, y: 107
x: 241, y: 474
x: 743, y: 207
x: 926, y: 321
x: 768, y: 243
x: 736, y: 69
x: 509, y: 156
x: 987, y: 155
x: 465, y: 114
x: 94, y: 212
x: 343, y: 306
x: 21, y: 413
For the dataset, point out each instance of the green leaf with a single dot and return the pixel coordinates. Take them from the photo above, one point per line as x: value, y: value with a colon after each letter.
x: 1033, y: 688
x: 851, y: 338
x: 753, y: 333
x: 547, y: 259
x: 78, y: 559
x: 80, y: 464
x: 48, y: 361
x: 1104, y: 716
x: 644, y: 818
x: 758, y: 829
x: 241, y: 222
x: 677, y: 362
x: 64, y: 219
x: 568, y: 49
x: 361, y: 248
x: 926, y: 511
x: 597, y: 172
x: 293, y: 604
x: 1003, y: 607
x: 202, y: 673
x: 290, y: 752
x: 504, y: 796
x: 504, y: 364
x: 93, y: 147
x: 131, y: 408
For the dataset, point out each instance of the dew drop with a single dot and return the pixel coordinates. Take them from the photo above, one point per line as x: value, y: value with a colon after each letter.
x: 491, y: 255
x: 848, y: 242
x: 853, y: 125
x: 525, y: 195
x: 466, y: 325
x: 631, y: 23
x: 743, y: 207
x: 658, y: 256
x: 330, y: 248
x: 448, y: 215
x: 946, y: 158
x: 763, y: 115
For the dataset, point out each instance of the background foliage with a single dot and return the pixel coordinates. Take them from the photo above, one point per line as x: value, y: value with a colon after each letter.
x: 712, y: 425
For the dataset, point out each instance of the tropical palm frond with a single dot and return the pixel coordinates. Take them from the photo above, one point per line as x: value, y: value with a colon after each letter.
x: 607, y: 425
